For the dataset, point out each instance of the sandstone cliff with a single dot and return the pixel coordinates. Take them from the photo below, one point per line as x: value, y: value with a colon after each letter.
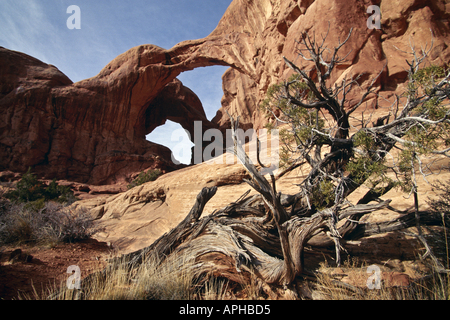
x: 94, y: 130
x: 271, y: 29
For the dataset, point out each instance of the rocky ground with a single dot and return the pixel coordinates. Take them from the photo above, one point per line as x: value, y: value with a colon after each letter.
x: 103, y: 153
x: 29, y: 269
x: 41, y: 268
x: 134, y: 219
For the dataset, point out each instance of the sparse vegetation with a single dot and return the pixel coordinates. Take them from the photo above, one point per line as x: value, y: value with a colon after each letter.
x: 150, y: 280
x: 145, y: 177
x: 53, y: 223
x: 260, y: 240
x: 34, y: 213
x: 29, y: 189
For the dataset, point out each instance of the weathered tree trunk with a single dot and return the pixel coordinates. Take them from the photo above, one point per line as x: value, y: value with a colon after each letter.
x: 262, y: 235
x: 265, y: 235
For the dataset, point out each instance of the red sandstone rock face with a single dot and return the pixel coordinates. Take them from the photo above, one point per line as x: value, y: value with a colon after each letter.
x: 371, y: 51
x: 94, y: 130
x: 25, y: 121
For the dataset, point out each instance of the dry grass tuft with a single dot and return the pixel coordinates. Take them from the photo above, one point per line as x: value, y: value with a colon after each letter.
x: 350, y: 283
x: 174, y: 279
x: 47, y: 225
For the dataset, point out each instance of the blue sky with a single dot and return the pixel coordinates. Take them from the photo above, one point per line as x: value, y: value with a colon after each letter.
x: 109, y: 28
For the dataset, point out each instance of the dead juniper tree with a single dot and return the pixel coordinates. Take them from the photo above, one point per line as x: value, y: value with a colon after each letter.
x: 343, y: 156
x: 264, y: 235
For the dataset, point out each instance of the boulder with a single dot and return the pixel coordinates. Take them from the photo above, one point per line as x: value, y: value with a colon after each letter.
x: 134, y: 219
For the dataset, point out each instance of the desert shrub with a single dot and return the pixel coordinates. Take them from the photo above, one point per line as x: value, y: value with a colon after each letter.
x: 441, y: 205
x: 17, y: 228
x: 30, y: 189
x: 54, y: 223
x: 66, y: 224
x: 151, y: 280
x: 61, y: 194
x: 17, y: 224
x: 145, y: 177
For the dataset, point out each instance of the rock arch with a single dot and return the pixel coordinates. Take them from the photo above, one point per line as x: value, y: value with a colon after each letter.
x: 94, y: 130
x: 176, y: 103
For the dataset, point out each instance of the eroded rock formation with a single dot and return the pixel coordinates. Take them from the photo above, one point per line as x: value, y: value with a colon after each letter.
x: 94, y: 130
x: 280, y: 24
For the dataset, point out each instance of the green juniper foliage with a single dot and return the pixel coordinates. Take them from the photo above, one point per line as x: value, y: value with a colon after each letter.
x: 345, y: 151
x: 423, y: 138
x: 145, y: 177
x: 30, y: 189
x: 305, y: 133
x: 301, y: 121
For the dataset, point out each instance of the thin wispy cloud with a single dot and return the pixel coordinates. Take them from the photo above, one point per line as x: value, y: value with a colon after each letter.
x: 25, y: 25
